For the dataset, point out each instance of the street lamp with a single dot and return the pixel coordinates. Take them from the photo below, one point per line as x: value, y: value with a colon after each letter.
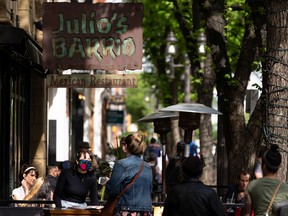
x: 171, y: 52
x: 162, y: 126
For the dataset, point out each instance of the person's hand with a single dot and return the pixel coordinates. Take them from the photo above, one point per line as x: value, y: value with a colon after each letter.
x: 103, y: 180
x: 25, y: 186
x: 240, y: 196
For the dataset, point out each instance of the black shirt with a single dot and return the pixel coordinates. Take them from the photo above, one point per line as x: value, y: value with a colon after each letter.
x: 74, y: 187
x: 53, y: 181
x: 233, y: 190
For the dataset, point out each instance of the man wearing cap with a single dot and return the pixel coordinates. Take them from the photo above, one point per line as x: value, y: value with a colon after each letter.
x: 191, y: 196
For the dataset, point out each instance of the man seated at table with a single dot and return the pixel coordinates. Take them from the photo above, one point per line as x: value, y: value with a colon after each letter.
x: 236, y: 191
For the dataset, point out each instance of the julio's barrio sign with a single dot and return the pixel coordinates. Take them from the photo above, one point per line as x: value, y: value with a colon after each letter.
x: 92, y: 36
x: 92, y: 81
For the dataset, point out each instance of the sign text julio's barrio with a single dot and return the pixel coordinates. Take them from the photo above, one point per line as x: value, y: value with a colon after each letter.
x: 93, y: 36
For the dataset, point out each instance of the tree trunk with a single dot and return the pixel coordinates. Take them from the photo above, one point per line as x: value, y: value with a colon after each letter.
x: 206, y: 139
x: 276, y: 79
x: 239, y: 140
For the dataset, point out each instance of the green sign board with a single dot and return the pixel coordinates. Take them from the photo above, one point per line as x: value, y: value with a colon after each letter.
x: 115, y: 116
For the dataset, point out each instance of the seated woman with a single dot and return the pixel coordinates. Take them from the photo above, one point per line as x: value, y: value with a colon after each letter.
x: 76, y: 183
x: 27, y: 178
x: 40, y: 191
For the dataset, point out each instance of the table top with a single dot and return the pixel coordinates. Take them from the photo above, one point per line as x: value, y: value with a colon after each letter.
x: 48, y: 211
x: 233, y: 204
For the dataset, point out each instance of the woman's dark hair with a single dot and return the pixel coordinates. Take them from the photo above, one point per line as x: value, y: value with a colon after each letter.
x: 78, y: 155
x: 272, y: 158
x: 25, y: 170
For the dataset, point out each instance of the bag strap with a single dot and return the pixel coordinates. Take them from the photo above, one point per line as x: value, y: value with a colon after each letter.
x: 133, y: 180
x: 272, y: 200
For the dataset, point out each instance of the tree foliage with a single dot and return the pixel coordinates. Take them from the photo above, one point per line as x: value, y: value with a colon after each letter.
x: 138, y: 102
x: 234, y: 44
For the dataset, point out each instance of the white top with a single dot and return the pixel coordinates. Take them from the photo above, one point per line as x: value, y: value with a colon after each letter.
x: 19, y: 192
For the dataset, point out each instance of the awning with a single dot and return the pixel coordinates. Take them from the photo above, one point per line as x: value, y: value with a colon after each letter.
x: 21, y: 47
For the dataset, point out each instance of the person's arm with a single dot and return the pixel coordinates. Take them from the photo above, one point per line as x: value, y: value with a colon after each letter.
x: 59, y: 188
x: 258, y: 175
x: 247, y: 205
x: 18, y: 193
x: 93, y: 192
x: 258, y: 170
x: 117, y: 177
x: 15, y: 197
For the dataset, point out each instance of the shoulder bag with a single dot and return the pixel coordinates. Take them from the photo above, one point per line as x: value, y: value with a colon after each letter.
x: 272, y: 200
x: 109, y: 207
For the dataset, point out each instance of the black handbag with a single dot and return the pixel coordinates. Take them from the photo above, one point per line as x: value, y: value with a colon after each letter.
x: 280, y: 208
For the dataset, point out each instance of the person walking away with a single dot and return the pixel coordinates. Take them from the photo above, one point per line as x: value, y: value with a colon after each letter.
x: 173, y: 171
x: 76, y: 183
x: 260, y: 191
x: 152, y: 150
x: 191, y: 196
x: 137, y: 199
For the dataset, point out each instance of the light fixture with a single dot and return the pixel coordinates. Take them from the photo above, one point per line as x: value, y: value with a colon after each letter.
x: 81, y: 97
x: 171, y: 43
x: 171, y: 37
x: 202, y: 43
x: 189, y: 119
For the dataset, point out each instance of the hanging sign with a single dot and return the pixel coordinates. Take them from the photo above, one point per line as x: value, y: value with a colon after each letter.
x: 115, y: 116
x: 92, y: 36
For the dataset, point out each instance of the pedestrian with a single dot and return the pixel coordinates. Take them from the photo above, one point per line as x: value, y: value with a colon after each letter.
x: 27, y: 177
x: 74, y: 184
x: 153, y: 150
x: 261, y: 191
x: 151, y: 155
x: 191, y: 196
x: 137, y: 199
x: 173, y: 171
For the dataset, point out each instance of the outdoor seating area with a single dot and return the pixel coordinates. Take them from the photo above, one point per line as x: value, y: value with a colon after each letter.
x: 7, y: 207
